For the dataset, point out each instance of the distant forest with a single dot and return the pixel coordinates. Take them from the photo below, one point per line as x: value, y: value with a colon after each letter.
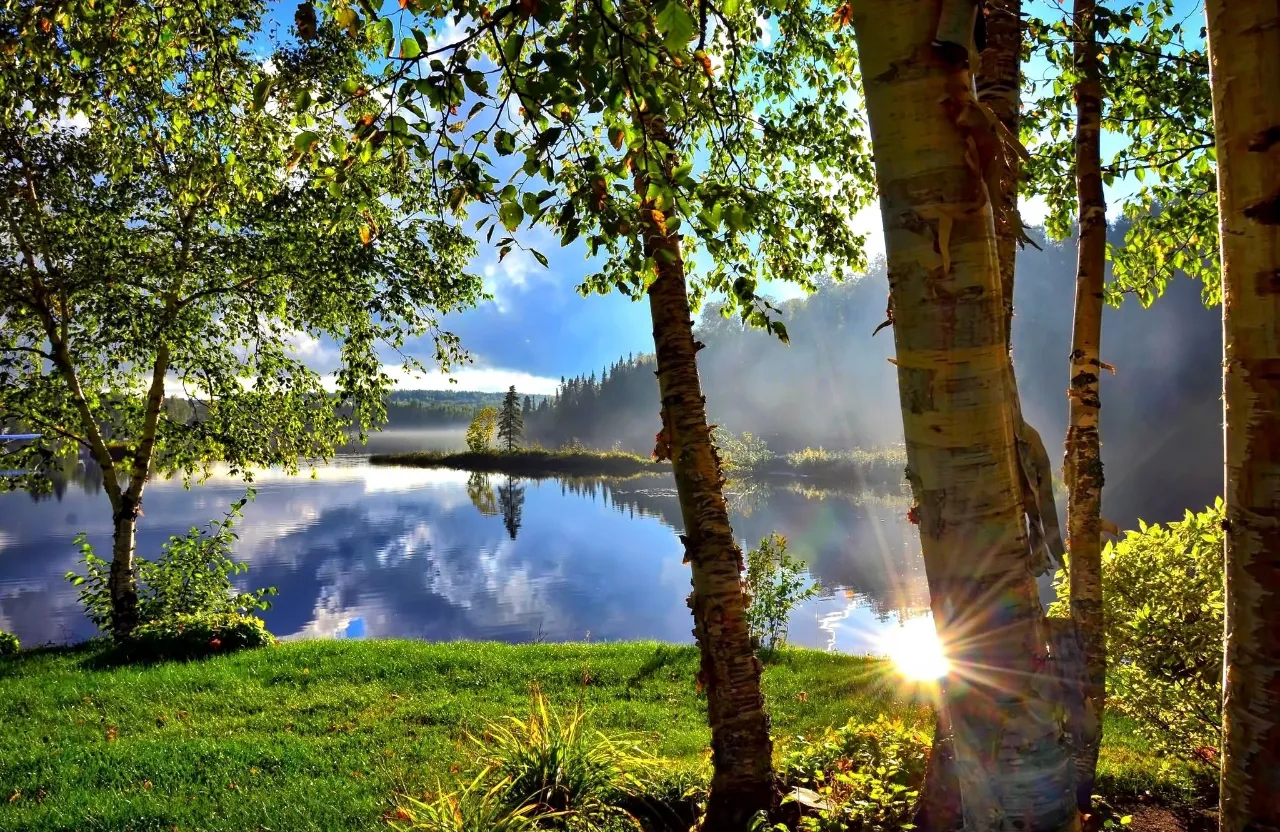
x: 438, y: 408
x: 835, y: 387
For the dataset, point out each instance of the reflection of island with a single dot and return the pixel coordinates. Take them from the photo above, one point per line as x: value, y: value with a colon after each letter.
x: 511, y: 504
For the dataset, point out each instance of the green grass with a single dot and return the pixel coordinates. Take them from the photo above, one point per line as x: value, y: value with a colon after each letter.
x: 531, y: 462
x: 324, y: 735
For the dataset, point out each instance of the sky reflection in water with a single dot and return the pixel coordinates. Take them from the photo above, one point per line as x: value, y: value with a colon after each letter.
x: 378, y: 552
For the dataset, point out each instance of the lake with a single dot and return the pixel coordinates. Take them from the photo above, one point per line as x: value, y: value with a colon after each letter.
x: 359, y: 551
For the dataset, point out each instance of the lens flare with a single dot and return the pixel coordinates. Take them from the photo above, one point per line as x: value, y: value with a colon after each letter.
x: 914, y: 649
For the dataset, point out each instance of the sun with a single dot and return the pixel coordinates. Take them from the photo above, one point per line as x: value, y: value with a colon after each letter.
x: 914, y: 649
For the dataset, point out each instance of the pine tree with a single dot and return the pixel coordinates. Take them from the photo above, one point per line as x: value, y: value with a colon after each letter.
x: 511, y: 421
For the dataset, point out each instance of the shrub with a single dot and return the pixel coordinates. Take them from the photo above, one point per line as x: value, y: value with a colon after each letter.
x: 864, y: 777
x: 191, y: 577
x: 188, y: 636
x: 479, y: 806
x: 775, y: 584
x: 8, y: 644
x: 740, y: 454
x: 561, y: 770
x: 1162, y: 589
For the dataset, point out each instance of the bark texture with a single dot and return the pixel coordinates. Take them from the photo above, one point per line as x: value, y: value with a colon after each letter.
x: 1244, y: 72
x: 1083, y: 461
x: 741, y: 749
x: 930, y: 138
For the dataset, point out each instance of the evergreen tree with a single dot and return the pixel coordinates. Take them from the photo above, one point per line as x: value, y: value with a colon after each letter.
x: 510, y: 420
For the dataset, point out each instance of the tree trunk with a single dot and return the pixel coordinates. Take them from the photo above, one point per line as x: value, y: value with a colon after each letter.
x: 1083, y: 462
x: 122, y: 582
x: 1244, y: 73
x: 952, y: 358
x: 741, y: 749
x: 998, y: 83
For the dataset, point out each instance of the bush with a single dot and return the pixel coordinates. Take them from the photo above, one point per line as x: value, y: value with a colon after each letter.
x: 864, y: 777
x: 775, y: 584
x: 740, y: 454
x: 561, y: 770
x: 8, y: 644
x: 191, y: 577
x: 186, y: 636
x: 1162, y: 589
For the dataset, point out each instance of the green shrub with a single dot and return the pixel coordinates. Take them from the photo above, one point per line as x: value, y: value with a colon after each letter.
x: 8, y: 644
x: 775, y: 584
x: 191, y: 577
x: 864, y: 777
x: 740, y: 454
x: 561, y: 770
x: 1162, y: 589
x: 186, y: 636
x: 479, y: 806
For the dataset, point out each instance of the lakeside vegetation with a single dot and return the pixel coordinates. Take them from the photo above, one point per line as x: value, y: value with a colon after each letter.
x: 328, y: 735
x: 858, y: 468
x: 530, y: 462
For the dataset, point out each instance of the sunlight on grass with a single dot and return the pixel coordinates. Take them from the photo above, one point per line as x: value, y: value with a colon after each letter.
x: 914, y: 649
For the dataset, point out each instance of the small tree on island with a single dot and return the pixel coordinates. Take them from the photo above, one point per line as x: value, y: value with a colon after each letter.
x: 163, y: 229
x: 511, y: 420
x: 480, y: 431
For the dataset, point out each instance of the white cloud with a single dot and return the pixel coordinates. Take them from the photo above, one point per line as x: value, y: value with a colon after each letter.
x: 481, y: 379
x: 1033, y: 210
x: 478, y: 379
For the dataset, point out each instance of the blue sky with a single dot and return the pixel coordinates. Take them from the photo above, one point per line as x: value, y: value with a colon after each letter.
x: 537, y: 328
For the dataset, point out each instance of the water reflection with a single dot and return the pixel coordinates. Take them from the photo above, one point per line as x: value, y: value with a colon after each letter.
x: 361, y: 551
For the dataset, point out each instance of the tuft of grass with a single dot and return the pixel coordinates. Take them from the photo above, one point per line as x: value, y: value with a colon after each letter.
x: 531, y: 462
x: 562, y: 769
x: 479, y: 806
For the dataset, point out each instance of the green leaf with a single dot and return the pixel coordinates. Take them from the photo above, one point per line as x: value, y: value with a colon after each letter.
x: 676, y: 25
x: 260, y: 92
x: 305, y: 140
x: 539, y: 256
x: 409, y: 48
x: 504, y: 143
x: 511, y: 215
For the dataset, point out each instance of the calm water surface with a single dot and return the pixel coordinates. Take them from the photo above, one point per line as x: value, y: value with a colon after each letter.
x: 359, y: 551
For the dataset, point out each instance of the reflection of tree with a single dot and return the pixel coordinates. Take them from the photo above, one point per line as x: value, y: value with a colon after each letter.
x: 511, y: 502
x: 481, y: 494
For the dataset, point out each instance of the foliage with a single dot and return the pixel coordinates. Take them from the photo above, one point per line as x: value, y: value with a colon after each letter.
x: 867, y: 776
x: 511, y: 420
x: 740, y: 454
x: 9, y: 644
x: 478, y: 806
x: 753, y: 128
x: 192, y: 577
x: 480, y: 431
x: 1163, y: 605
x: 531, y: 462
x: 561, y: 769
x: 775, y: 583
x: 1156, y: 107
x: 194, y: 635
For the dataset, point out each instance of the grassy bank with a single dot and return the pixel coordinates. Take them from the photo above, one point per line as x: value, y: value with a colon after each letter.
x: 531, y: 463
x: 323, y: 735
